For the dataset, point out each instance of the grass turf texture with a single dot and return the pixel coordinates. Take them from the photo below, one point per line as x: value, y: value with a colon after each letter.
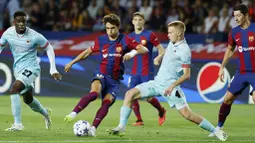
x: 239, y: 126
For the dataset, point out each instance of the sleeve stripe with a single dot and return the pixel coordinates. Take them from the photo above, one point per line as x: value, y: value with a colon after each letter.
x: 46, y: 45
x: 185, y: 65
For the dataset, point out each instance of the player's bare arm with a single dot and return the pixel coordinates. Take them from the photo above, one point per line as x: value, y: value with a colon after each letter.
x: 161, y: 52
x: 184, y: 77
x: 80, y: 57
x: 140, y: 49
x: 227, y: 56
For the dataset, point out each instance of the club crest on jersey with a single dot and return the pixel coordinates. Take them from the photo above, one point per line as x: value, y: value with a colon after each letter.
x: 119, y: 49
x: 143, y: 42
x: 28, y: 41
x: 209, y: 86
x: 251, y: 38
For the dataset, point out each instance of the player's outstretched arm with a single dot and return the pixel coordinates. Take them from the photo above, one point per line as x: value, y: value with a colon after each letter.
x: 53, y: 70
x: 140, y: 49
x: 81, y: 56
x: 161, y: 51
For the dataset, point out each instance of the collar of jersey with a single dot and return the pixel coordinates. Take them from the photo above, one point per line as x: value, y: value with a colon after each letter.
x: 180, y: 42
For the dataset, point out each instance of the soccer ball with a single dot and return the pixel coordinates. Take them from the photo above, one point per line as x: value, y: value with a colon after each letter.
x: 81, y: 128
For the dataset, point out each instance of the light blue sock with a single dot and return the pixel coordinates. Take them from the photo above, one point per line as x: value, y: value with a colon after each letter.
x: 37, y: 107
x: 16, y: 108
x: 124, y: 115
x: 206, y: 125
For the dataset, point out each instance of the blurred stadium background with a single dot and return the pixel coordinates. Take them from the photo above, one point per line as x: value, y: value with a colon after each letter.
x: 72, y: 25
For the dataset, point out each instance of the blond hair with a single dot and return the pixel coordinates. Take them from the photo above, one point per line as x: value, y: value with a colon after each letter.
x: 178, y: 24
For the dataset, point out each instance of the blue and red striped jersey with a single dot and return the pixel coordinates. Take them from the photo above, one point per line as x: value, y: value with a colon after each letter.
x: 112, y: 53
x: 143, y: 64
x: 244, y: 39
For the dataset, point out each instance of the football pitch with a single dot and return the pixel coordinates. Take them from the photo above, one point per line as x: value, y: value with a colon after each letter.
x: 239, y: 126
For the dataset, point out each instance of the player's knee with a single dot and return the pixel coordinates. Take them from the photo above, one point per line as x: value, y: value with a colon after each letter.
x: 229, y: 98
x: 17, y: 87
x: 27, y: 99
x: 129, y: 95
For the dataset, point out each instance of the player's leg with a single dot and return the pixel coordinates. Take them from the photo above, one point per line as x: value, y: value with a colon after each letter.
x: 16, y: 88
x: 133, y: 81
x: 96, y: 88
x: 201, y: 122
x: 143, y: 90
x: 107, y: 101
x: 161, y: 110
x: 36, y: 106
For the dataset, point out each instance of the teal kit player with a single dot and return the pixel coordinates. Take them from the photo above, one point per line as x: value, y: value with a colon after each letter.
x: 174, y: 70
x: 23, y: 42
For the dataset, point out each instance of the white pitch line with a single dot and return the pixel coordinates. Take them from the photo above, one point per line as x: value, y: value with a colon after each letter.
x: 99, y: 141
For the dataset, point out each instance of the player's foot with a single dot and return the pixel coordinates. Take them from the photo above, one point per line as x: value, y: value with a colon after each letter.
x: 221, y: 135
x: 92, y: 131
x: 15, y: 127
x: 47, y: 119
x: 119, y: 131
x: 162, y: 117
x: 138, y: 123
x: 212, y: 134
x: 70, y: 117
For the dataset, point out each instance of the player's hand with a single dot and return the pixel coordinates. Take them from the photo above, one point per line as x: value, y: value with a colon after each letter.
x: 169, y: 90
x: 57, y: 76
x: 126, y: 57
x: 68, y: 67
x: 157, y: 60
x: 221, y: 74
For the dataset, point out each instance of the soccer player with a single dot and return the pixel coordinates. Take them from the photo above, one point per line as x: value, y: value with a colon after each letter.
x: 23, y: 42
x: 242, y: 37
x: 174, y: 70
x: 114, y: 48
x: 142, y: 69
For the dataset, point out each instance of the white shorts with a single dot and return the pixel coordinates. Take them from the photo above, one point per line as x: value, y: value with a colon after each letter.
x: 27, y: 76
x: 151, y: 88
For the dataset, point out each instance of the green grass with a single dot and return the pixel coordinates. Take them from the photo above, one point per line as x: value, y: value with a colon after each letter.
x: 239, y: 126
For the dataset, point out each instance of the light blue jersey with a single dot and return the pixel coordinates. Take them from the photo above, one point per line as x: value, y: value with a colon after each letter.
x: 175, y: 58
x: 23, y: 47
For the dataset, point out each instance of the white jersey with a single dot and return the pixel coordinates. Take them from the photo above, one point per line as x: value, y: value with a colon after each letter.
x: 23, y: 47
x: 176, y: 57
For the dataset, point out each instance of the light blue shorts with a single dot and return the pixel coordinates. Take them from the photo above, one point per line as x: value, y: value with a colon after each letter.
x: 27, y: 76
x: 151, y: 88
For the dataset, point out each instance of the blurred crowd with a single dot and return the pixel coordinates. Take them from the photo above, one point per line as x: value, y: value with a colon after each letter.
x: 200, y: 16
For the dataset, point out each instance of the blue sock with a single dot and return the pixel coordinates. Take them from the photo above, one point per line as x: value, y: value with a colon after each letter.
x: 37, y: 107
x: 206, y: 125
x: 124, y: 115
x: 16, y: 108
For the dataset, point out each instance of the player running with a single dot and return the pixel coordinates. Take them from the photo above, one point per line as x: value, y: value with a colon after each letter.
x: 242, y: 37
x: 23, y: 42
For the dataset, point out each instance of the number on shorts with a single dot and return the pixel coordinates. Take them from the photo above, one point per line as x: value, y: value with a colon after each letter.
x: 27, y: 73
x: 177, y: 94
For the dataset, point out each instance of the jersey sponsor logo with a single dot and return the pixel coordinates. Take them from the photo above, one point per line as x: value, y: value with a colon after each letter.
x: 243, y: 49
x: 111, y: 55
x: 209, y: 86
x: 251, y: 38
x: 28, y: 41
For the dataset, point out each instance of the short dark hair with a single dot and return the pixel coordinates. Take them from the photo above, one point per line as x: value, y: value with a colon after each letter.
x: 112, y: 18
x: 19, y: 13
x: 138, y: 14
x: 242, y: 7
